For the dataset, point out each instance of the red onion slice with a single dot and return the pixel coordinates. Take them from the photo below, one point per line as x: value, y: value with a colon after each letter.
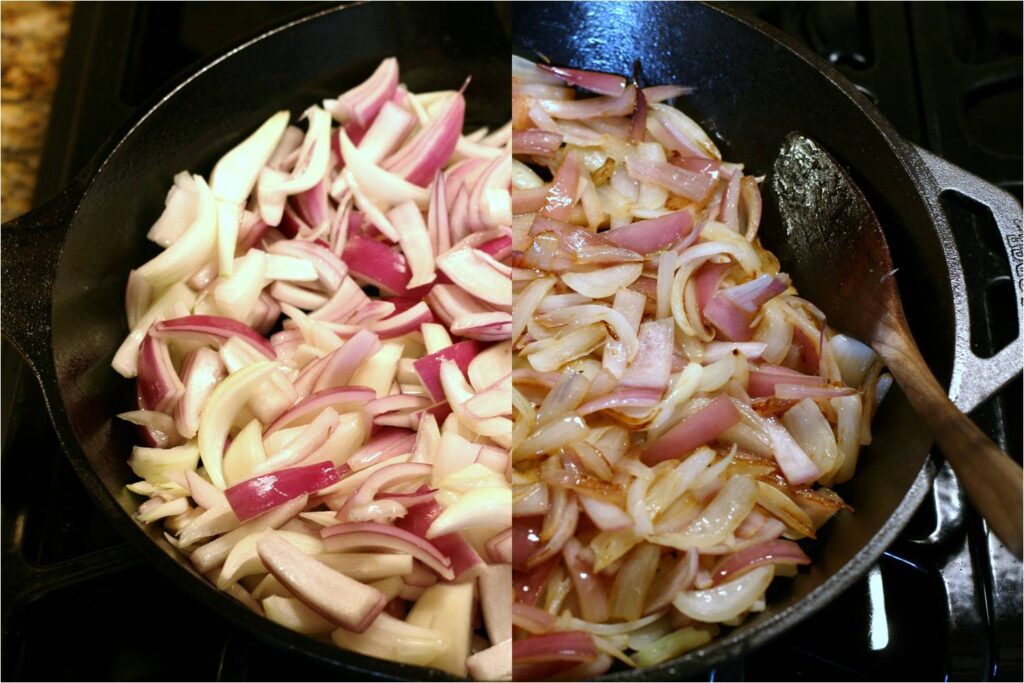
x: 652, y: 365
x: 212, y: 329
x: 158, y: 385
x: 339, y: 399
x: 330, y: 269
x: 529, y: 582
x: 428, y: 152
x: 313, y: 206
x: 386, y: 476
x: 356, y: 535
x: 622, y: 398
x: 587, y: 584
x: 701, y: 428
x: 202, y: 369
x: 364, y: 102
x: 679, y: 578
x: 423, y: 494
x: 594, y: 81
x: 466, y: 563
x: 348, y: 299
x: 296, y: 450
x: 257, y: 495
x: 438, y: 226
x: 429, y: 367
x: 638, y: 127
x: 562, y: 193
x: 593, y: 107
x: 604, y: 515
x: 156, y: 429
x: 414, y: 240
x: 769, y: 552
x: 384, y: 445
x: 731, y: 321
x: 810, y: 350
x: 646, y: 237
x: 660, y: 93
x: 379, y: 265
x: 203, y: 492
x: 535, y: 142
x: 341, y: 363
x: 765, y: 378
x: 404, y: 322
x: 386, y: 132
x: 751, y: 295
x: 694, y: 186
x: 532, y: 619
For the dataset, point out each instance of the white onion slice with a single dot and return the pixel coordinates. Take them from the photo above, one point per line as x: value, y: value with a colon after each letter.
x: 224, y: 403
x: 603, y: 282
x: 726, y: 600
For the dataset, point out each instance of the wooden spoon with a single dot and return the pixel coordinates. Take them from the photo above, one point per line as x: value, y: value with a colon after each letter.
x: 835, y: 249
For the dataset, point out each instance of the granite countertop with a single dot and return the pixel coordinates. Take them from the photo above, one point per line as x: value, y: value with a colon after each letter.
x: 33, y: 36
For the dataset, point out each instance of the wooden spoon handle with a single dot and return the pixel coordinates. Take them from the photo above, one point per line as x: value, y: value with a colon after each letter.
x: 993, y: 481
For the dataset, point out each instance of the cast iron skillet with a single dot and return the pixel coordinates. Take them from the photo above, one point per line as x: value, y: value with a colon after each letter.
x: 752, y: 87
x: 65, y: 265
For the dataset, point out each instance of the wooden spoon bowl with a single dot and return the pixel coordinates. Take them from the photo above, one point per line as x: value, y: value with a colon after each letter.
x: 831, y: 243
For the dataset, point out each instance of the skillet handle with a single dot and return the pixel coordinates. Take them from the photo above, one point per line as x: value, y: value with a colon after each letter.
x: 976, y: 379
x: 32, y: 245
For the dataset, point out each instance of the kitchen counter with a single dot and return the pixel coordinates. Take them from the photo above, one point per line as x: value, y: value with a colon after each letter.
x: 33, y: 44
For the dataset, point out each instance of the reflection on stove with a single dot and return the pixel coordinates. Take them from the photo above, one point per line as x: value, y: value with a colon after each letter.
x: 878, y: 628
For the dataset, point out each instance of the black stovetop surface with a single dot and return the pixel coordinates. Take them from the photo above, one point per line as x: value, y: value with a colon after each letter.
x: 944, y: 602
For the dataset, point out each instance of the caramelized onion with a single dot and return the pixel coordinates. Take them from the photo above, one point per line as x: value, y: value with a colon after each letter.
x: 667, y: 382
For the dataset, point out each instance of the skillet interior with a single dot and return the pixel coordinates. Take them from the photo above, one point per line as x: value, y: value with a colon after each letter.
x: 750, y: 91
x: 438, y: 46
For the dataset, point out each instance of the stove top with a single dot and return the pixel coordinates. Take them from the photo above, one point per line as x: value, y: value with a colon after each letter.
x: 944, y: 602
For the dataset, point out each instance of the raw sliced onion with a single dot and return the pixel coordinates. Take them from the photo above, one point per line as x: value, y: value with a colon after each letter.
x: 358, y: 406
x: 363, y: 535
x: 334, y: 596
x: 212, y: 329
x: 466, y: 562
x: 257, y: 495
x: 201, y: 370
x: 339, y: 399
x: 235, y: 175
x: 159, y: 387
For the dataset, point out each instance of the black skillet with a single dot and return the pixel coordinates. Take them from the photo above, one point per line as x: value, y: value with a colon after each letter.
x: 753, y: 86
x: 65, y: 265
